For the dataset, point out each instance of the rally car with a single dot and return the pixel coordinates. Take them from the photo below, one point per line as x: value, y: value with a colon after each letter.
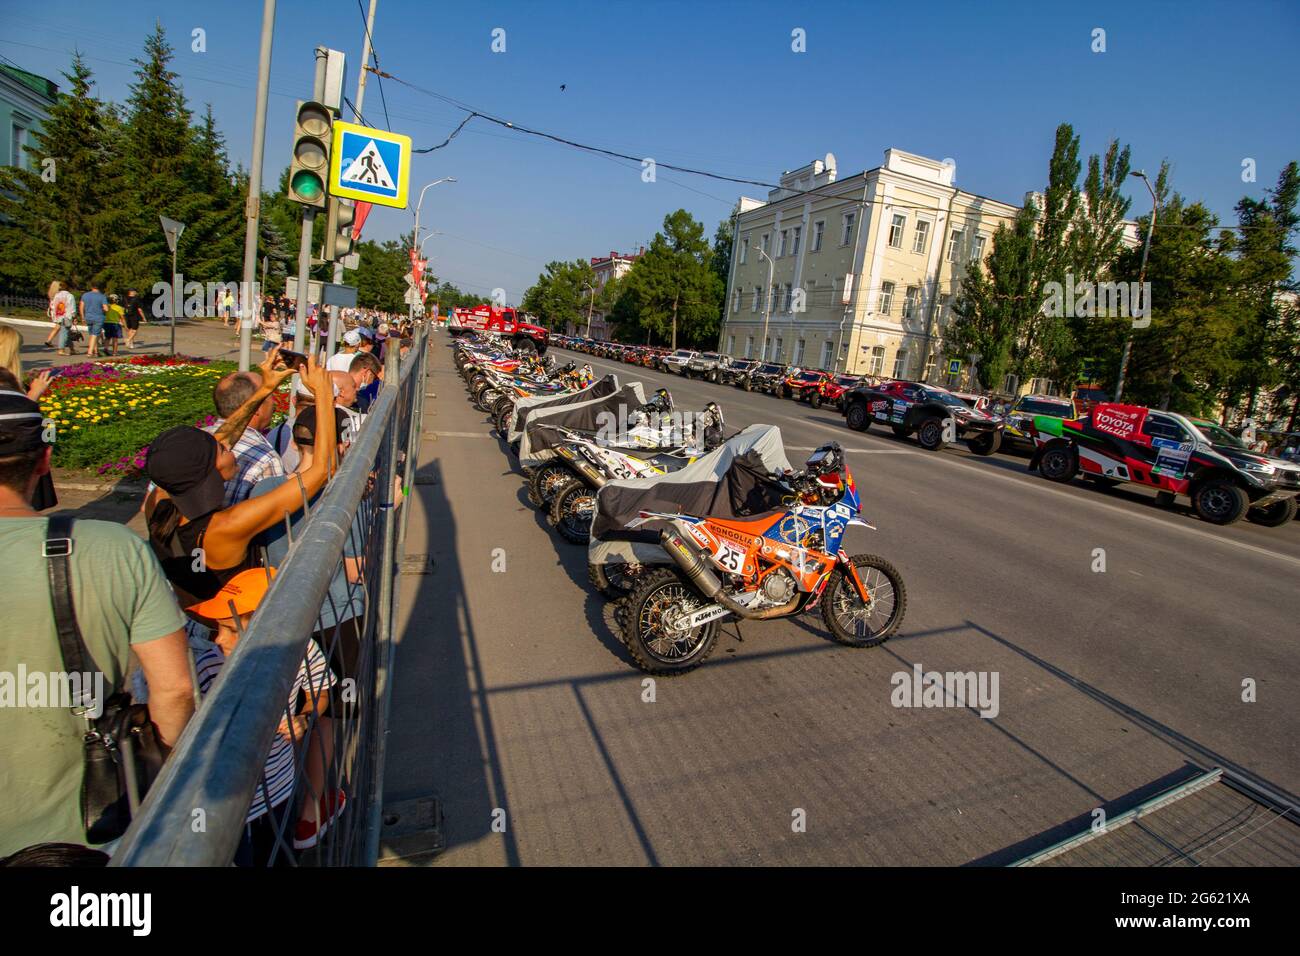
x: 1130, y: 443
x: 935, y: 415
x: 801, y: 383
x: 831, y: 391
x: 1020, y: 417
x: 766, y: 377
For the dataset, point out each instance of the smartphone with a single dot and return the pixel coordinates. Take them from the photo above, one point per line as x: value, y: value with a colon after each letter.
x: 294, y: 360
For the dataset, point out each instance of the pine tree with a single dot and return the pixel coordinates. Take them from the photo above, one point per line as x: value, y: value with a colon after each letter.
x: 155, y: 155
x: 52, y: 215
x: 215, y: 240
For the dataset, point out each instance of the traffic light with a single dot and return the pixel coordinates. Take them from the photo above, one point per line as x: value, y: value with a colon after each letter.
x: 312, y: 127
x: 338, y: 228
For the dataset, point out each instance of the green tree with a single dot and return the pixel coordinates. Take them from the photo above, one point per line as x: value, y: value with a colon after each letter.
x: 1266, y: 252
x: 991, y: 306
x: 672, y: 288
x: 214, y: 238
x: 153, y: 158
x: 561, y: 294
x: 52, y: 215
x: 380, y: 276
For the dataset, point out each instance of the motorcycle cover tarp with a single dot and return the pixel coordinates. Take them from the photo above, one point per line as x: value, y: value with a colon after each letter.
x: 538, y: 444
x: 597, y: 389
x: 730, y: 482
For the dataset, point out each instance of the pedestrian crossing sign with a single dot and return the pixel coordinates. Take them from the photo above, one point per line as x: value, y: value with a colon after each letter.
x: 370, y: 165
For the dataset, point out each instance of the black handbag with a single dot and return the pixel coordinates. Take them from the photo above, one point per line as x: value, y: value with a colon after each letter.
x: 123, y: 752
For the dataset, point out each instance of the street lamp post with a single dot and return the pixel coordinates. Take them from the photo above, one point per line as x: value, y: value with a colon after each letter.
x: 590, y: 306
x: 1142, y: 275
x: 767, y: 296
x: 415, y: 236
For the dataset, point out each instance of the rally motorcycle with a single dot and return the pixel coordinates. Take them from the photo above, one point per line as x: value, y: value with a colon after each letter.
x: 499, y: 400
x: 649, y: 427
x: 779, y: 564
x: 566, y: 486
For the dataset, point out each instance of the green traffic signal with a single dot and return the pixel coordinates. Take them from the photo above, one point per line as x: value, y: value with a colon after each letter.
x: 307, y: 185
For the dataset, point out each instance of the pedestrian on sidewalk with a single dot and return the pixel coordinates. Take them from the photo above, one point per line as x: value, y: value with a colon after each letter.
x: 272, y: 335
x: 227, y: 308
x: 62, y: 311
x: 113, y: 318
x: 94, y: 307
x: 133, y: 315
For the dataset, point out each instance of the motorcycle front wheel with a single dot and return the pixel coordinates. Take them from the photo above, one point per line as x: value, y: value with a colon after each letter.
x: 859, y: 624
x: 654, y: 632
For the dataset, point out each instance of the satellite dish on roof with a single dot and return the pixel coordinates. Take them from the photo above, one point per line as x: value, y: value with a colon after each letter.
x: 830, y: 161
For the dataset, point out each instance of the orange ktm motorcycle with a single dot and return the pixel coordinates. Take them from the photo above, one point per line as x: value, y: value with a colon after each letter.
x: 779, y: 564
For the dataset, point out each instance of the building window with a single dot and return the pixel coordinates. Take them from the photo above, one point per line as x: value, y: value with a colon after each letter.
x: 735, y: 300
x: 18, y: 139
x: 922, y: 236
x: 753, y: 306
x: 773, y: 299
x: 900, y: 364
x: 788, y: 305
x: 766, y: 242
x: 767, y: 348
x: 929, y: 368
x: 798, y: 352
x: 886, y: 298
x: 977, y: 252
x: 731, y: 345
x: 877, y: 360
x: 794, y: 248
x: 954, y: 244
x: 819, y: 227
x: 827, y: 346
x: 782, y: 236
x: 846, y: 234
x: 896, y: 228
x: 780, y: 349
x: 911, y: 299
x: 744, y: 249
x: 749, y: 347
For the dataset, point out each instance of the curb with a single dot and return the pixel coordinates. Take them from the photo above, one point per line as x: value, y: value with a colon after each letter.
x: 134, y: 490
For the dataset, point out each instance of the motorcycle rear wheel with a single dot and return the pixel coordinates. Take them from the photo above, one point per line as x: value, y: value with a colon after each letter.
x: 543, y: 483
x: 657, y: 646
x: 615, y: 580
x: 858, y: 625
x: 572, y: 509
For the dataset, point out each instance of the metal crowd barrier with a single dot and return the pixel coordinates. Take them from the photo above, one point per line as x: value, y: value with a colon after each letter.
x: 194, y: 814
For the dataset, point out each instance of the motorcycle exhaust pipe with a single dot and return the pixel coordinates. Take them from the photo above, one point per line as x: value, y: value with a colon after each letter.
x: 693, y: 564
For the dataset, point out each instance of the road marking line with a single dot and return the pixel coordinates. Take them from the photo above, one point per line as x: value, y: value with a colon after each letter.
x: 1045, y: 488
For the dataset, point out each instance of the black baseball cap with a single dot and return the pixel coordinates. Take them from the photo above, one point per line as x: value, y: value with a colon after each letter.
x: 22, y: 429
x: 182, y: 461
x: 304, y: 426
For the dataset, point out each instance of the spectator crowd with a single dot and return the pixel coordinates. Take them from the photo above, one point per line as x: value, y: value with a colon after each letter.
x: 156, y: 618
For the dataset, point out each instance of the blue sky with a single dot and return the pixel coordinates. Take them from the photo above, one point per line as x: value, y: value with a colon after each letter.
x: 716, y: 85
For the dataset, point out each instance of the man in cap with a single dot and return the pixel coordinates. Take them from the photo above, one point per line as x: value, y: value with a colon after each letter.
x: 121, y: 605
x: 340, y: 361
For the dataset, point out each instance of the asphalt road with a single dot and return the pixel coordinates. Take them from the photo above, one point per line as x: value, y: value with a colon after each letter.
x: 516, y: 705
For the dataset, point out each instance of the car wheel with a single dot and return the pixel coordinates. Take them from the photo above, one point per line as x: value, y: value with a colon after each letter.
x: 713, y: 377
x: 1058, y: 464
x: 985, y: 444
x: 747, y: 385
x: 1219, y: 501
x: 930, y: 434
x: 857, y: 417
x: 815, y: 400
x: 1270, y: 516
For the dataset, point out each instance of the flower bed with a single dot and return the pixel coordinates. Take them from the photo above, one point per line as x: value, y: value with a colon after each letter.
x: 106, y: 413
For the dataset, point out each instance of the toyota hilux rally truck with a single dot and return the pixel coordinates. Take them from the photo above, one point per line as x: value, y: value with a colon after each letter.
x: 504, y: 322
x: 1116, y: 443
